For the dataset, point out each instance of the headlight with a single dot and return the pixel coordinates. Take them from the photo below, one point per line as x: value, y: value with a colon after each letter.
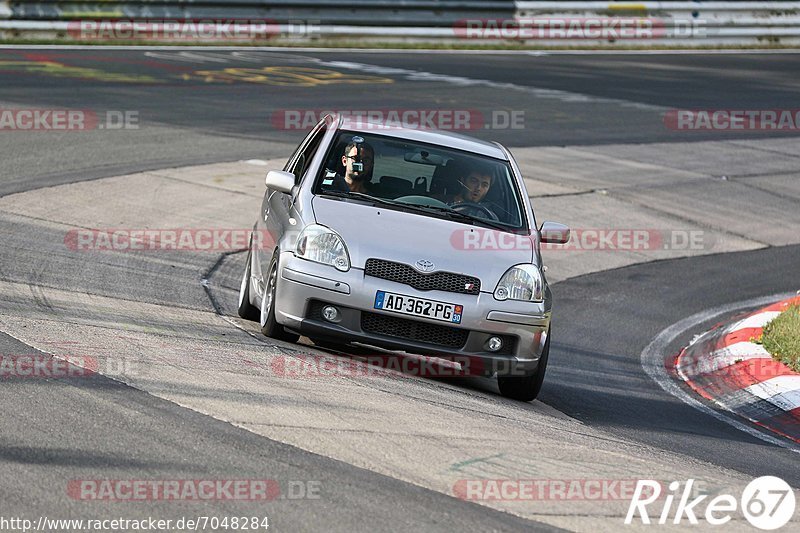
x: 522, y: 282
x: 323, y: 245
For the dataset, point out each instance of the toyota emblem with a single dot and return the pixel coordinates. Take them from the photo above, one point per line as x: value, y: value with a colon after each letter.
x: 423, y: 265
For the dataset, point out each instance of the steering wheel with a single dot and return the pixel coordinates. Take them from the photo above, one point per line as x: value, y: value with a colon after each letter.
x: 474, y: 209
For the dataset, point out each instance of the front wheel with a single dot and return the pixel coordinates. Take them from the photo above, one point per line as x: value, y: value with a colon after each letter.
x: 270, y: 326
x: 526, y: 388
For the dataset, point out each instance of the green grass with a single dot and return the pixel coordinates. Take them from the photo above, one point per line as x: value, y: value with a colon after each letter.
x: 781, y: 338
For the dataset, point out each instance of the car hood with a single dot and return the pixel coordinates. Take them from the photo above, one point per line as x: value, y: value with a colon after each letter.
x: 405, y: 237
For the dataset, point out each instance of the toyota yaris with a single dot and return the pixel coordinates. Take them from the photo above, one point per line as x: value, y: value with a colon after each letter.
x: 412, y: 240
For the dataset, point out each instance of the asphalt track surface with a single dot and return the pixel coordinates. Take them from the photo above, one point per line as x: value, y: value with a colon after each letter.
x: 185, y: 119
x: 62, y: 429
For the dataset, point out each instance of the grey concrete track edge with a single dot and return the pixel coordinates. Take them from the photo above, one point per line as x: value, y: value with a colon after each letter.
x: 248, y: 438
x: 62, y: 178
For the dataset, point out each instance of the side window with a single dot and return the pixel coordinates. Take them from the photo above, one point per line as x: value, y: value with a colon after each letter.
x: 307, y: 152
x: 290, y: 163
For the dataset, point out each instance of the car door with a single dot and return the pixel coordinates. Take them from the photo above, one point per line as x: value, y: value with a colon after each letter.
x: 276, y: 206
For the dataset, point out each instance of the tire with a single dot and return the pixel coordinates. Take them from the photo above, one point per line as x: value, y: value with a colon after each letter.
x: 246, y: 310
x: 526, y: 388
x: 270, y: 326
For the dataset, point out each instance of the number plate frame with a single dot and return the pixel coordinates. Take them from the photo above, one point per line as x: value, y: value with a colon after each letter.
x: 403, y: 304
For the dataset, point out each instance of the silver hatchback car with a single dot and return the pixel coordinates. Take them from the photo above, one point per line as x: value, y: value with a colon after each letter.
x: 411, y: 240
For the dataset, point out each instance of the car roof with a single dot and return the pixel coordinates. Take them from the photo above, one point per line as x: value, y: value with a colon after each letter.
x: 430, y: 136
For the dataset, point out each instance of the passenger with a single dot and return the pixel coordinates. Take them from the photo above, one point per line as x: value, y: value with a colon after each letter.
x: 358, y: 180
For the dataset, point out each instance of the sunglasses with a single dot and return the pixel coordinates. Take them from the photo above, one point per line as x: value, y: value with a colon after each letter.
x: 363, y: 159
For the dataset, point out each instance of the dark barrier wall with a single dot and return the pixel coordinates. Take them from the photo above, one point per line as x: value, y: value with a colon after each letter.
x: 348, y: 12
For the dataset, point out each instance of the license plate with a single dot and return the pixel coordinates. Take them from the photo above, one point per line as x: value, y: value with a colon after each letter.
x: 411, y: 305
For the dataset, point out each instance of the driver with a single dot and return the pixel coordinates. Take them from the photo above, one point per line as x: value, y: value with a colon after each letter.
x: 473, y: 187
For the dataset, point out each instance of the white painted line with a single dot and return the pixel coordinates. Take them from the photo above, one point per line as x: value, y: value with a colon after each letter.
x: 463, y: 81
x: 257, y: 162
x: 759, y: 320
x: 724, y: 357
x: 783, y: 391
x: 743, y: 350
x: 426, y: 51
x: 786, y: 400
x: 652, y: 358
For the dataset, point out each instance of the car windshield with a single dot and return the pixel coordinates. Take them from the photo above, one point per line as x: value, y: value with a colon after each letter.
x: 430, y: 179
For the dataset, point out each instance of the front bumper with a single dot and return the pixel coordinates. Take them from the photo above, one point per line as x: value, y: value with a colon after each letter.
x: 304, y: 287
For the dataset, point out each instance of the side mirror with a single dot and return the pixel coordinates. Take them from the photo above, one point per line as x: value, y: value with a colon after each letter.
x: 280, y: 181
x: 554, y: 233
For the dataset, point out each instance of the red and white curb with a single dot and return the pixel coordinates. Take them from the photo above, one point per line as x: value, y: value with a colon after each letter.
x: 724, y: 366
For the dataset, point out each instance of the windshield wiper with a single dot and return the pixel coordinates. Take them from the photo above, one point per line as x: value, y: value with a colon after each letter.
x: 447, y: 211
x: 457, y: 215
x: 362, y: 196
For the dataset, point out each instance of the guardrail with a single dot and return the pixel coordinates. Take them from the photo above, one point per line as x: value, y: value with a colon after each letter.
x: 5, y: 10
x: 410, y: 13
x: 474, y: 23
x: 698, y: 23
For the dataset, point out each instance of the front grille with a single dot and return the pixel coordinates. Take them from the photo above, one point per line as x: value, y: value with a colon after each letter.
x: 391, y: 326
x: 434, y: 281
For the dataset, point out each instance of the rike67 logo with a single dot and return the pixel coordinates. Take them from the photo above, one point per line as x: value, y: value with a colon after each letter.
x: 767, y: 503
